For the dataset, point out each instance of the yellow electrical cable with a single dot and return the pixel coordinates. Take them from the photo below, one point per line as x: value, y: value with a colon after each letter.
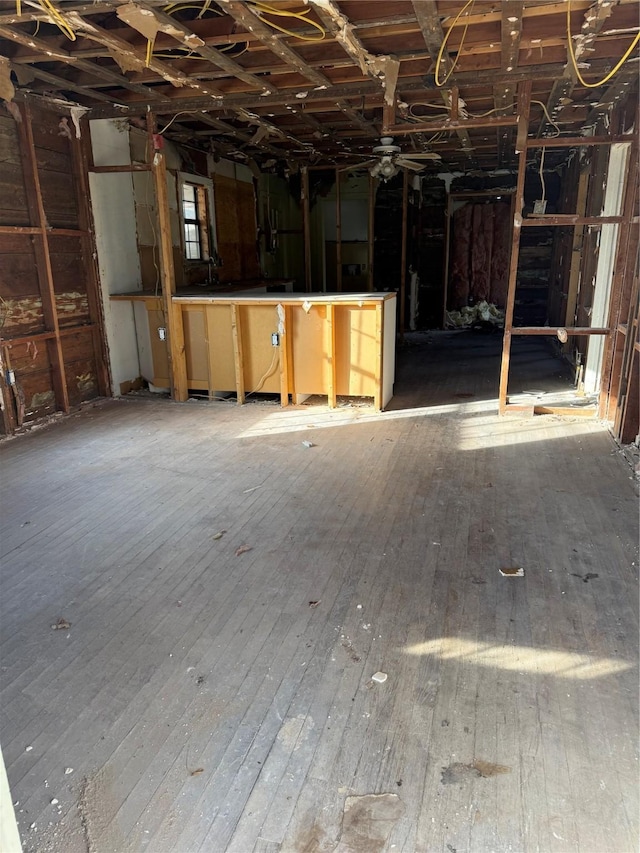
x: 58, y: 19
x: 611, y: 73
x: 18, y: 7
x: 262, y: 10
x: 444, y: 44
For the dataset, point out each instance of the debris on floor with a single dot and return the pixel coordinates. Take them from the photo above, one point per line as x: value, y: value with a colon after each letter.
x: 367, y: 822
x: 314, y: 603
x: 243, y: 549
x: 61, y: 625
x: 586, y: 578
x: 219, y: 534
x: 512, y: 572
x: 458, y: 773
x: 379, y: 677
x: 308, y: 443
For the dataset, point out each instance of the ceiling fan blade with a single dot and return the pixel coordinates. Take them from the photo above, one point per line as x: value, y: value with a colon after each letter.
x: 364, y: 164
x: 427, y: 155
x: 407, y: 164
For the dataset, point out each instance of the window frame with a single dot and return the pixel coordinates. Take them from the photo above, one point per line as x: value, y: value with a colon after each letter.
x: 207, y: 237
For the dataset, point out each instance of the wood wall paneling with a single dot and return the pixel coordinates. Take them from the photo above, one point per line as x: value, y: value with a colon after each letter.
x: 46, y: 284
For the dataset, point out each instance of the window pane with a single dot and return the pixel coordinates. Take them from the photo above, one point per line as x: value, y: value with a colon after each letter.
x: 189, y: 193
x: 189, y: 210
x: 191, y: 233
x: 192, y: 251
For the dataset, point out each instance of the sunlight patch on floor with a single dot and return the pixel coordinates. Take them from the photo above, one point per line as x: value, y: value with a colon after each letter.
x: 322, y: 417
x: 519, y: 658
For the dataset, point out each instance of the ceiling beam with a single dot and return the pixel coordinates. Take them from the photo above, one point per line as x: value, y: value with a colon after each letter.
x: 594, y: 19
x: 49, y: 52
x: 186, y: 37
x: 504, y: 93
x: 137, y: 55
x: 429, y: 20
x: 246, y: 17
x: 383, y: 69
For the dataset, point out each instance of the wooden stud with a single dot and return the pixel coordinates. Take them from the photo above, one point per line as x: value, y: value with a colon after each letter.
x: 283, y: 351
x: 379, y: 377
x: 447, y: 251
x: 175, y: 329
x: 371, y: 233
x: 403, y: 251
x: 331, y: 346
x: 338, y: 234
x: 306, y: 223
x: 553, y: 330
x: 524, y: 102
x: 85, y: 220
x: 43, y: 257
x: 236, y: 332
x: 568, y: 219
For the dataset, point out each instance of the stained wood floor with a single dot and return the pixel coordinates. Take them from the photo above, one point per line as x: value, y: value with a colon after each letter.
x: 210, y: 698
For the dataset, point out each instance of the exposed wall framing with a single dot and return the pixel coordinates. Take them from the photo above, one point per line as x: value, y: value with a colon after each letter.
x: 51, y: 334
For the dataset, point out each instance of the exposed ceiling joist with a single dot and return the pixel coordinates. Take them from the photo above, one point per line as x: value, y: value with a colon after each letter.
x: 594, y: 19
x: 429, y: 20
x: 504, y: 93
x: 384, y: 69
x: 244, y: 15
x: 138, y: 57
x: 52, y: 53
x: 186, y: 37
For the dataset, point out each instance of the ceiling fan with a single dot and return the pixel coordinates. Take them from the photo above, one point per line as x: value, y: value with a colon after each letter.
x: 389, y: 159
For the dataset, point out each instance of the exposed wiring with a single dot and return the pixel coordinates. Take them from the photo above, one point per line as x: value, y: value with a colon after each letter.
x: 180, y: 7
x: 574, y: 62
x: 167, y: 126
x: 263, y: 11
x: 540, y: 171
x: 275, y: 359
x: 548, y: 117
x: 58, y: 19
x: 444, y: 44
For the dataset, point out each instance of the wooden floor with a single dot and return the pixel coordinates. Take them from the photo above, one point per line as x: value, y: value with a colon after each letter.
x: 231, y: 592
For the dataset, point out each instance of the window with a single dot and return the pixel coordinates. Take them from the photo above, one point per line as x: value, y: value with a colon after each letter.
x: 195, y: 218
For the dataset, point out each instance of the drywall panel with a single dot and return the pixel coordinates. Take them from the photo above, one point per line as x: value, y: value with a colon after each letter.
x: 261, y: 358
x: 193, y: 322
x: 143, y: 335
x: 220, y: 339
x: 388, y: 350
x: 110, y: 142
x: 614, y: 194
x: 356, y: 350
x: 119, y: 268
x: 310, y: 357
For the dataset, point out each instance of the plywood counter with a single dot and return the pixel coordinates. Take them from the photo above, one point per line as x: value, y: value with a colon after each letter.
x: 289, y: 344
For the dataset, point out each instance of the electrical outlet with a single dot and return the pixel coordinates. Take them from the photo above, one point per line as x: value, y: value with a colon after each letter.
x: 539, y: 207
x: 162, y: 334
x: 275, y: 339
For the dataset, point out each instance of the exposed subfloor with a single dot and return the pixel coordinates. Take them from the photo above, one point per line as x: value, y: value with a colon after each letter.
x: 231, y: 592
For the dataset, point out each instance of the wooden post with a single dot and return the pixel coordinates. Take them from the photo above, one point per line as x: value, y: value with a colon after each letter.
x: 81, y: 159
x: 331, y: 328
x: 524, y: 103
x: 306, y: 226
x: 175, y: 329
x: 236, y: 333
x: 371, y: 227
x: 338, y: 234
x: 447, y: 250
x: 377, y: 400
x: 37, y: 216
x: 283, y: 352
x: 403, y: 252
